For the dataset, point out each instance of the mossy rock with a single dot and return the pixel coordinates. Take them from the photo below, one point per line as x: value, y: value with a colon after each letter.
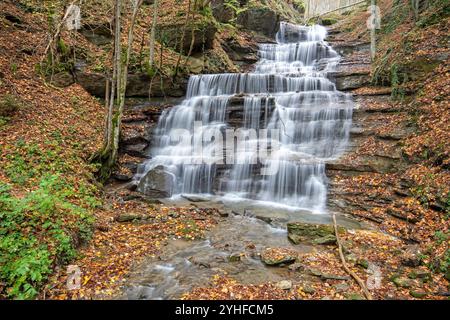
x: 299, y: 232
x: 417, y: 294
x: 327, y: 240
x: 354, y: 296
x: 260, y: 19
x: 329, y: 21
x: 403, y: 282
x: 204, y: 32
x: 425, y: 276
x: 363, y: 263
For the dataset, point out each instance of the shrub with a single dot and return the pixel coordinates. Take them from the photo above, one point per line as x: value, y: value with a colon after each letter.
x: 9, y: 104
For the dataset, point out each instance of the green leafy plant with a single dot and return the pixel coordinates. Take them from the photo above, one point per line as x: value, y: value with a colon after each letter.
x: 36, y: 233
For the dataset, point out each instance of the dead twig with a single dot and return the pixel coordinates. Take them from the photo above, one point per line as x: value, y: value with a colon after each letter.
x: 344, y: 263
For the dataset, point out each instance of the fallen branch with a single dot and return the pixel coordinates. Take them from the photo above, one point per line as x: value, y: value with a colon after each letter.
x: 344, y: 264
x: 337, y: 9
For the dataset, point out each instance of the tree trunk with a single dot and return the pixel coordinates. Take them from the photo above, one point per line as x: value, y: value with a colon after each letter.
x: 415, y: 6
x: 373, y: 40
x: 191, y: 46
x: 152, y: 34
x: 108, y: 155
x: 122, y: 83
x: 182, y: 39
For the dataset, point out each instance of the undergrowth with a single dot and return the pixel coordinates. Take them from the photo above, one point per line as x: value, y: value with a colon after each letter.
x: 37, y: 232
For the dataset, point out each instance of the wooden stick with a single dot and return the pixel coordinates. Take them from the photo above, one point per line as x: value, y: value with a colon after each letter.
x: 341, y: 8
x: 344, y: 264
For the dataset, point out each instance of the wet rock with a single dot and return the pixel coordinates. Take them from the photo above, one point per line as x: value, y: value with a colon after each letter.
x: 157, y: 183
x: 260, y: 19
x: 284, y: 285
x: 223, y: 214
x: 277, y: 256
x: 194, y: 198
x: 299, y: 232
x: 296, y: 266
x: 136, y: 150
x: 122, y: 177
x: 202, y: 262
x: 234, y: 257
x: 240, y: 53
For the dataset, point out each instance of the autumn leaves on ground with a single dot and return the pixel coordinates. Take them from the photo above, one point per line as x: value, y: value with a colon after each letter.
x: 53, y: 212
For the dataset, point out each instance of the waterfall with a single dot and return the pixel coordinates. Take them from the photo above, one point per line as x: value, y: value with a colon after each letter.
x: 289, y: 107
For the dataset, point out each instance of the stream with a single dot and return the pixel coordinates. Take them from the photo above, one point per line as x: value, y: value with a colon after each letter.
x: 288, y: 105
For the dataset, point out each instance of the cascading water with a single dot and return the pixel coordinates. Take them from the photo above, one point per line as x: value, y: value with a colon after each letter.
x: 289, y: 91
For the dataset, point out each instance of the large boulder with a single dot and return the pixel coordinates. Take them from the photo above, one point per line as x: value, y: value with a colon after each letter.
x: 138, y: 85
x: 157, y: 183
x: 94, y: 83
x: 62, y: 79
x: 98, y: 34
x: 260, y: 19
x: 203, y: 31
x: 299, y: 232
x: 352, y: 81
x: 221, y: 11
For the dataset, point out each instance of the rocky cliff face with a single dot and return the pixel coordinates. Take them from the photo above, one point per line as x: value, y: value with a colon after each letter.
x: 197, y: 38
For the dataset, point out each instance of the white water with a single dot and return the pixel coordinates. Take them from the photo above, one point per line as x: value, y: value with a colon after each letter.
x: 313, y: 117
